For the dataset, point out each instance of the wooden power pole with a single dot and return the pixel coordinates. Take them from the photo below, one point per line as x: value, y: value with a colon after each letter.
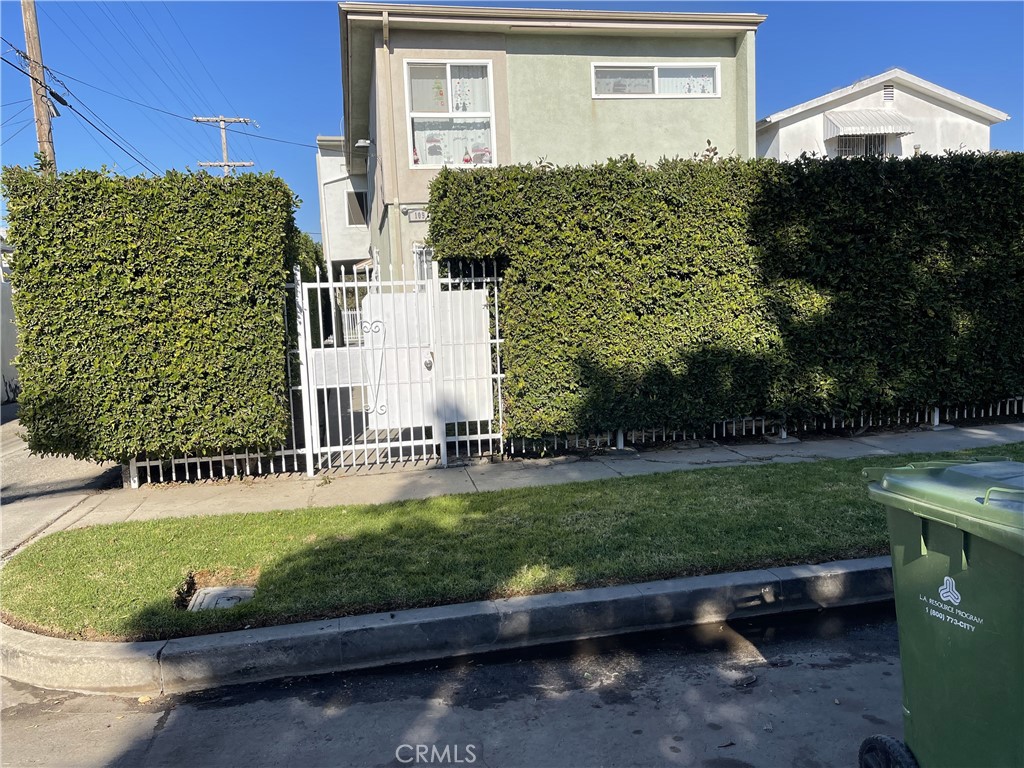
x: 41, y: 105
x: 225, y: 163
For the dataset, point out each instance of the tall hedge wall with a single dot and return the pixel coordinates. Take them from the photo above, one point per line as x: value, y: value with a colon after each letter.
x: 150, y: 311
x: 694, y: 291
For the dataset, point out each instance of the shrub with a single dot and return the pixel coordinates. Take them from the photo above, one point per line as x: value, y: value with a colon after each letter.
x: 150, y: 311
x: 694, y: 291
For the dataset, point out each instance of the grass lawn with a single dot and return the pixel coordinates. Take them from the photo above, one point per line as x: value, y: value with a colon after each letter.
x: 119, y: 581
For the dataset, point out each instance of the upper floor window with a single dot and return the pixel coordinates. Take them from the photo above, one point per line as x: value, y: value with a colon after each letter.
x: 451, y: 117
x: 355, y: 208
x: 652, y: 81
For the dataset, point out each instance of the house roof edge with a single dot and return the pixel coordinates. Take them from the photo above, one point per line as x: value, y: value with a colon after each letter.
x: 897, y: 76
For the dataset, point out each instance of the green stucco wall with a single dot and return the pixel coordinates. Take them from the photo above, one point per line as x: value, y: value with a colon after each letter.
x: 553, y: 115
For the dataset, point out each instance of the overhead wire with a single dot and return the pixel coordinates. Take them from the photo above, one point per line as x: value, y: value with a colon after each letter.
x: 175, y: 70
x: 20, y: 111
x: 103, y: 149
x: 86, y: 119
x: 117, y: 26
x: 174, y: 64
x: 92, y: 112
x: 178, y: 136
x: 169, y: 113
x: 26, y: 125
x: 213, y: 80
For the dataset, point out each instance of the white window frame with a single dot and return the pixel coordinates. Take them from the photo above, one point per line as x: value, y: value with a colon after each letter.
x: 655, y: 66
x: 410, y: 115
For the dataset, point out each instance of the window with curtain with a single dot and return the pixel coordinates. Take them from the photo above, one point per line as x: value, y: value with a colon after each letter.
x: 670, y: 81
x: 450, y: 113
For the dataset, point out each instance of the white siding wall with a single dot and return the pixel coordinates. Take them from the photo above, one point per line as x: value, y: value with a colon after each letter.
x: 937, y: 127
x: 341, y: 240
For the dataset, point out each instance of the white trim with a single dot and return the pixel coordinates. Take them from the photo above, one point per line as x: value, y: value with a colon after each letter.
x: 890, y: 77
x: 655, y: 65
x: 410, y: 115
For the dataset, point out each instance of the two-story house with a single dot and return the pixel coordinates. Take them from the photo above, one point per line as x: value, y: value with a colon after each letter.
x: 430, y: 86
x: 894, y: 114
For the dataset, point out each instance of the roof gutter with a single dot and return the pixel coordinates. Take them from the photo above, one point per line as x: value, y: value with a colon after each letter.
x: 346, y: 70
x: 535, y: 19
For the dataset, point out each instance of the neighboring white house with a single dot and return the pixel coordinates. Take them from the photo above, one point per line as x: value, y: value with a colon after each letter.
x: 343, y: 231
x: 892, y: 114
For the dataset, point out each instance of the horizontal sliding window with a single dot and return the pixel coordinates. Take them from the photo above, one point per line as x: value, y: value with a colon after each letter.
x: 670, y: 81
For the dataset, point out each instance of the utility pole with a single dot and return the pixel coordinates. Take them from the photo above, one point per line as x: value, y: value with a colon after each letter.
x: 41, y: 105
x: 225, y: 163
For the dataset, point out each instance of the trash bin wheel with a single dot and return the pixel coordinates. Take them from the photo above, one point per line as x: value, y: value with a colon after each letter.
x: 885, y: 752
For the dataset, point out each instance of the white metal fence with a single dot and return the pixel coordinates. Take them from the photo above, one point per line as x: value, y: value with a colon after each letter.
x: 400, y: 370
x: 410, y: 370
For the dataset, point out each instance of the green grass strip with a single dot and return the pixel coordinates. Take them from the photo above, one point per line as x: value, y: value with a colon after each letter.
x: 118, y: 581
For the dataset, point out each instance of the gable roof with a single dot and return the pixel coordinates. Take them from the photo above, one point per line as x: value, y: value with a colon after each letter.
x: 894, y: 76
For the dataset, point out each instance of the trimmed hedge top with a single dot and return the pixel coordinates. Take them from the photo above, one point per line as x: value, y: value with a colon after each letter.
x: 150, y: 311
x: 677, y: 295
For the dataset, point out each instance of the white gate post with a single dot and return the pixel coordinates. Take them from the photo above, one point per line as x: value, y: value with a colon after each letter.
x: 308, y: 390
x: 433, y: 283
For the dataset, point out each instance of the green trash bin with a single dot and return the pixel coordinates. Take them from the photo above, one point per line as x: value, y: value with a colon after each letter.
x: 956, y: 532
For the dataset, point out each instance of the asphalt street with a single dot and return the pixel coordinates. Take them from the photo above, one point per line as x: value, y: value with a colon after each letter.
x: 797, y: 692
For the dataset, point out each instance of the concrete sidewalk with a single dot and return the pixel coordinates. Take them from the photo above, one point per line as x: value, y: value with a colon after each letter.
x: 43, y: 495
x: 355, y: 642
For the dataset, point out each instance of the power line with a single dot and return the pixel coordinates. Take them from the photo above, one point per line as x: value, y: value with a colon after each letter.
x: 12, y: 103
x: 20, y: 111
x: 90, y: 122
x: 86, y: 106
x: 94, y: 114
x: 213, y: 80
x: 54, y: 72
x: 26, y: 125
x: 169, y: 113
x: 95, y: 141
x: 116, y: 25
x: 174, y: 63
x: 269, y: 138
x: 177, y: 136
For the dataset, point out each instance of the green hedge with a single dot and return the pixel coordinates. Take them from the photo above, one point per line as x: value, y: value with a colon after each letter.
x: 150, y: 311
x: 693, y: 291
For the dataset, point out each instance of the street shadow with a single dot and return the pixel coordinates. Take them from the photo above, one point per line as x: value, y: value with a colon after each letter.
x: 8, y: 412
x: 104, y: 479
x: 678, y: 696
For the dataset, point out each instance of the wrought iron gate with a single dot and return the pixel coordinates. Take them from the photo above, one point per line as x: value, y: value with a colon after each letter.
x: 400, y: 370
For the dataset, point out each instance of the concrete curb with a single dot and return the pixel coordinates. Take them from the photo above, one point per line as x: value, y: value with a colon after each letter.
x: 357, y: 642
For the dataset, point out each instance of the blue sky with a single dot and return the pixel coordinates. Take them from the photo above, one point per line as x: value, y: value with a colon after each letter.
x: 279, y: 64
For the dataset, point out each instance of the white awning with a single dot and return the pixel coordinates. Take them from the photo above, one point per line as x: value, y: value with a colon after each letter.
x: 865, y: 122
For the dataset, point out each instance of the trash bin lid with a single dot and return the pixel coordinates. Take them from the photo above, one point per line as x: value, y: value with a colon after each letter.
x: 989, y: 491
